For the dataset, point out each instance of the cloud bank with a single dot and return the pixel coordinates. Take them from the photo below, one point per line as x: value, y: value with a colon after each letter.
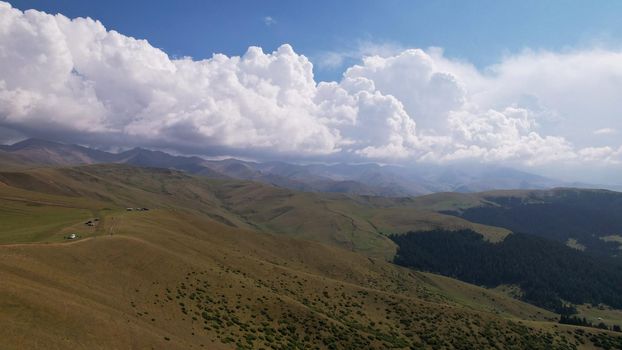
x: 75, y: 79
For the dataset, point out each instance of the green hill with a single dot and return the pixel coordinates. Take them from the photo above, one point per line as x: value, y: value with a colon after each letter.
x: 355, y: 222
x: 202, y: 269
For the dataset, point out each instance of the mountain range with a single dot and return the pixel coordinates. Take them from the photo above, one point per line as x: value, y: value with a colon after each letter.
x: 362, y: 179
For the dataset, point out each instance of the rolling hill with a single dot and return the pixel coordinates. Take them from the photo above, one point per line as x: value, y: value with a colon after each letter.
x: 356, y: 223
x: 202, y: 269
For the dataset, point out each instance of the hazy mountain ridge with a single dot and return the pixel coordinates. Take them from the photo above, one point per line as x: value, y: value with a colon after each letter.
x: 364, y: 179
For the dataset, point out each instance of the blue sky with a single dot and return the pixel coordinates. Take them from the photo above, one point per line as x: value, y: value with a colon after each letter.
x: 529, y: 84
x: 480, y: 32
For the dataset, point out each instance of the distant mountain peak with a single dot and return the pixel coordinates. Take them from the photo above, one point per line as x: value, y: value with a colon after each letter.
x: 33, y: 143
x: 367, y: 178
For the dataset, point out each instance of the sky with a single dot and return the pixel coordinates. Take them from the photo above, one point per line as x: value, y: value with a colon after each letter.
x: 529, y: 84
x: 480, y: 32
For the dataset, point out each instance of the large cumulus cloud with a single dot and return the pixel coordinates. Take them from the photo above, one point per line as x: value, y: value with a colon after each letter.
x: 74, y: 78
x: 77, y: 78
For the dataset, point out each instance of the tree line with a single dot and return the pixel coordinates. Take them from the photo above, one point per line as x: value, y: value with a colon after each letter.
x: 584, y: 215
x: 547, y: 272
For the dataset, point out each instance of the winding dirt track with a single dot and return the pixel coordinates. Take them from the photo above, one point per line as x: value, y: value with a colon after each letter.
x: 46, y: 244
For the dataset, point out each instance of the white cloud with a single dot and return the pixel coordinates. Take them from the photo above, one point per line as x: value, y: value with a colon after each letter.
x: 362, y: 48
x: 74, y: 78
x: 575, y: 91
x: 531, y: 108
x: 605, y: 131
x: 413, y: 77
x: 268, y: 21
x: 451, y: 124
x: 605, y: 155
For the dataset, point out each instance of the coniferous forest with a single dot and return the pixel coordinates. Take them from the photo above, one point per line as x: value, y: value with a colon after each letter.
x: 584, y: 215
x: 547, y: 272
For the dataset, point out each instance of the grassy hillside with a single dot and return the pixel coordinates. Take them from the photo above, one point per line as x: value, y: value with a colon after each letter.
x: 201, y: 269
x: 170, y: 279
x: 353, y: 222
x: 12, y: 161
